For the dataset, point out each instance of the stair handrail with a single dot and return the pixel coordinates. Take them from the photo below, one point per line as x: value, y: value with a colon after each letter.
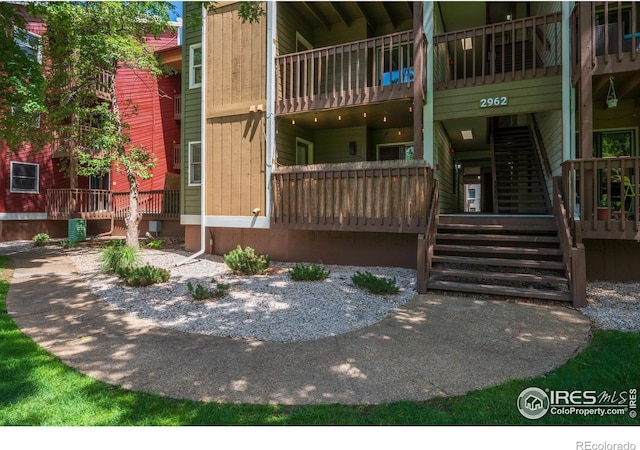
x: 541, y: 153
x: 430, y: 237
x: 573, y: 253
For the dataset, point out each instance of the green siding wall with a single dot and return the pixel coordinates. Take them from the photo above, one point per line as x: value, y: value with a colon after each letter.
x: 190, y: 125
x: 444, y: 171
x: 550, y: 126
x: 537, y: 94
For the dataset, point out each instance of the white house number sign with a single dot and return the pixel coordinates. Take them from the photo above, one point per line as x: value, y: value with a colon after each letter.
x: 494, y: 101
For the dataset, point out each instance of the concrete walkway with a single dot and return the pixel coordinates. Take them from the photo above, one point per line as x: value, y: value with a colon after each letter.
x: 435, y: 345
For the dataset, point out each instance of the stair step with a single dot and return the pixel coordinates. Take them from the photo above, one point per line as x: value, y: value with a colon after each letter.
x: 551, y: 228
x: 498, y: 238
x: 500, y: 290
x: 518, y: 277
x: 500, y: 250
x: 537, y: 264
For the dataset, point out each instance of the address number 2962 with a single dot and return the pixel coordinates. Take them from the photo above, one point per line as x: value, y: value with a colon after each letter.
x: 493, y: 101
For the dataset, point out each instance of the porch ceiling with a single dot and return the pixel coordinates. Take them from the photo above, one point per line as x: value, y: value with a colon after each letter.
x: 327, y: 14
x: 626, y: 84
x: 478, y: 127
x: 397, y: 113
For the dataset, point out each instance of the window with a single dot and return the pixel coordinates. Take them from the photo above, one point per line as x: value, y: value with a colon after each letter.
x: 614, y: 143
x: 195, y: 66
x: 29, y: 43
x: 403, y: 150
x: 195, y: 163
x: 24, y: 177
x: 472, y: 194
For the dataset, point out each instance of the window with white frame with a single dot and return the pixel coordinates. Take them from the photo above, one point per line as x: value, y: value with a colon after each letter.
x: 195, y: 163
x: 29, y: 43
x: 24, y: 177
x: 195, y: 66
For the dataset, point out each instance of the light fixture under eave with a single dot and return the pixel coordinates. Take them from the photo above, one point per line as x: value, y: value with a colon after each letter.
x: 466, y: 134
x: 384, y: 119
x: 315, y: 119
x: 364, y: 114
x: 339, y: 117
x: 293, y: 121
x: 410, y: 108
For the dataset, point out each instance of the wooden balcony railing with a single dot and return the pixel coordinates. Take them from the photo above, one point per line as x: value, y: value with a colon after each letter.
x: 603, y: 195
x: 78, y: 203
x: 103, y: 204
x: 514, y: 50
x: 367, y: 71
x: 380, y: 196
x: 609, y: 32
x: 162, y: 203
x: 177, y: 107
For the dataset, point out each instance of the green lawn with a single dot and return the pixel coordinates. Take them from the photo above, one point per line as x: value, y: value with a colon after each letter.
x: 37, y: 389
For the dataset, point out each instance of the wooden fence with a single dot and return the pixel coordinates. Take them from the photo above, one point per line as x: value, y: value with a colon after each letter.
x: 380, y: 196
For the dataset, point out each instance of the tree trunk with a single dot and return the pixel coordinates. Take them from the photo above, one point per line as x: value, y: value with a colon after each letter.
x: 132, y: 220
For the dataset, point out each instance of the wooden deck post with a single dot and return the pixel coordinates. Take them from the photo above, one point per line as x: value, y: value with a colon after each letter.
x: 418, y: 77
x: 421, y: 268
x: 578, y: 276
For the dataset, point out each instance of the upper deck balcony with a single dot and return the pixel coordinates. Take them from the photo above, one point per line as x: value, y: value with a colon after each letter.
x: 519, y: 49
x: 605, y: 38
x: 355, y: 73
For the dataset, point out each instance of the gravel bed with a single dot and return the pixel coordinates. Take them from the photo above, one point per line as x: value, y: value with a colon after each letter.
x: 613, y: 306
x: 269, y: 307
x: 272, y: 307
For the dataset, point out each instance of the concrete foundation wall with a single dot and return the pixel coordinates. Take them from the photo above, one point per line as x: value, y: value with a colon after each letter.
x: 612, y: 260
x: 12, y: 230
x: 325, y: 247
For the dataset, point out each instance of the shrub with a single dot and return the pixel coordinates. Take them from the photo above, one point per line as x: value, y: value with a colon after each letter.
x: 375, y: 285
x: 40, y: 239
x: 155, y: 243
x: 313, y: 272
x: 68, y: 243
x: 202, y: 293
x: 119, y: 258
x: 145, y: 275
x: 247, y: 261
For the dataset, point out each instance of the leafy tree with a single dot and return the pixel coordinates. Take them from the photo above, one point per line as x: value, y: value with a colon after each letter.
x: 83, y: 46
x: 21, y: 82
x: 85, y: 43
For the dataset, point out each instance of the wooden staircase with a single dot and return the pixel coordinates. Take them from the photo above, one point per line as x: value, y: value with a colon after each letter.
x: 499, y: 255
x: 519, y: 183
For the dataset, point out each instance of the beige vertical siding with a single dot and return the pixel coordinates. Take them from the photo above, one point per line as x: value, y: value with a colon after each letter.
x: 236, y: 82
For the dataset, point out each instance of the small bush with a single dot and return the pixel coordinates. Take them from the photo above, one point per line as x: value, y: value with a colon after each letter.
x: 202, y: 293
x: 68, y: 243
x: 155, y: 243
x: 119, y: 258
x: 40, y: 239
x: 375, y: 285
x: 313, y: 272
x: 247, y: 261
x: 145, y: 275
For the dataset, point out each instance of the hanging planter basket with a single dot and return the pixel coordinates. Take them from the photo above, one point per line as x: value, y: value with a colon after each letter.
x: 612, y: 100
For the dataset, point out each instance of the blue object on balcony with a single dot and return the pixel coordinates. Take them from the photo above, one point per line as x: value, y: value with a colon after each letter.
x: 393, y: 77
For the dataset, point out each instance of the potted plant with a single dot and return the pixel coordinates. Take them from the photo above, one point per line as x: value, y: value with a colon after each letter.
x: 602, y: 212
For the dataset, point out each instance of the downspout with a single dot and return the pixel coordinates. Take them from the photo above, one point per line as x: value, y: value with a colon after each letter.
x: 203, y: 152
x: 271, y: 102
